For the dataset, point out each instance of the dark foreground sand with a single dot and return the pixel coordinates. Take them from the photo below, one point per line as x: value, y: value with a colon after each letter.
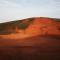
x: 34, y: 48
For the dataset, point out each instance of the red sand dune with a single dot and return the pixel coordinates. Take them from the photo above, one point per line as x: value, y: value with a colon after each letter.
x: 30, y: 39
x: 38, y: 26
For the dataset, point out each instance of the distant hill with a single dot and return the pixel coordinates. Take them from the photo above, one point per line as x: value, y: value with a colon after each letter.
x: 31, y: 26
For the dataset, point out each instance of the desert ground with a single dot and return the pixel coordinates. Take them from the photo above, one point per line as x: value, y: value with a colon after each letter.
x: 30, y: 39
x: 34, y: 48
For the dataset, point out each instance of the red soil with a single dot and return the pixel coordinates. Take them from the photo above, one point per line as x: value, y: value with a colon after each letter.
x: 40, y: 26
x: 39, y: 41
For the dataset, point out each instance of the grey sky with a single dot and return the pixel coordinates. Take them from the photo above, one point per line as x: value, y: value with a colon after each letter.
x: 20, y: 9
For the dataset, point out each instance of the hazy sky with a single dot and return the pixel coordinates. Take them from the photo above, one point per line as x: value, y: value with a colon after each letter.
x: 19, y: 9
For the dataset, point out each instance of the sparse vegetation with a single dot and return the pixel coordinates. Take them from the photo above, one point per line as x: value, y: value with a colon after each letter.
x: 11, y: 27
x: 5, y: 27
x: 30, y: 19
x: 57, y: 20
x: 22, y: 26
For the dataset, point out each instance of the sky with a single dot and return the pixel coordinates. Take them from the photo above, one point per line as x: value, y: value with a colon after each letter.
x: 20, y: 9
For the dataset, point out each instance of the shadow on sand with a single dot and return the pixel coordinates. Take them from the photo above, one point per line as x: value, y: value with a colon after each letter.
x: 34, y: 48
